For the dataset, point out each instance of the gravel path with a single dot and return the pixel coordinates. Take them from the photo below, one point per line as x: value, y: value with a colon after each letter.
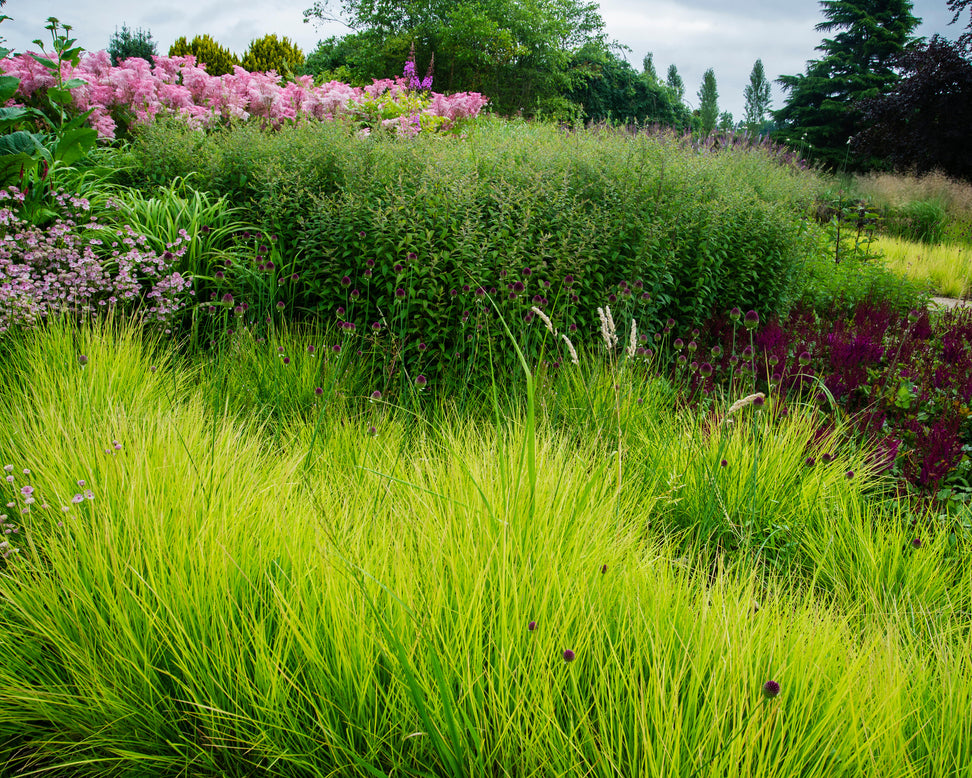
x: 949, y: 302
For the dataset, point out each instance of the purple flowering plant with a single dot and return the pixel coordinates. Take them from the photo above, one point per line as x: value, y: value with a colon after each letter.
x: 80, y: 266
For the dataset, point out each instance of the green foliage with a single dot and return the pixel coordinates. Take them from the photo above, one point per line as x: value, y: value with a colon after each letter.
x: 270, y: 53
x: 216, y: 59
x: 516, y: 53
x: 411, y: 592
x: 859, y: 62
x: 606, y: 87
x: 675, y: 83
x: 757, y: 94
x: 708, y: 103
x: 408, y: 233
x: 125, y: 43
x: 42, y: 137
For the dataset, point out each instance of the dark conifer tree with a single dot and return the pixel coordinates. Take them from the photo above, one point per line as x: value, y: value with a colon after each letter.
x: 858, y: 63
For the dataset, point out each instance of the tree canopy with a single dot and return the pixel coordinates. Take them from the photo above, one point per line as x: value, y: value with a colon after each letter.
x: 923, y: 122
x: 708, y: 102
x: 858, y: 63
x: 518, y: 52
x: 757, y: 95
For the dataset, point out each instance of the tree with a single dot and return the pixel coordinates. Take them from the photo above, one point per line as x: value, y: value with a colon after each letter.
x: 517, y: 52
x: 957, y: 6
x: 648, y: 67
x: 858, y: 63
x: 923, y: 123
x: 757, y: 95
x: 270, y: 53
x: 675, y: 83
x: 725, y: 122
x: 125, y: 43
x: 611, y: 89
x: 708, y: 102
x: 218, y: 60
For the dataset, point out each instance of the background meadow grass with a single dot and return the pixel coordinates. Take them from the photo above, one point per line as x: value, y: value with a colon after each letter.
x: 299, y: 594
x: 943, y: 268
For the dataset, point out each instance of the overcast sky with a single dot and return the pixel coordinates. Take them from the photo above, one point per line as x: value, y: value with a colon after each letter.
x: 692, y: 34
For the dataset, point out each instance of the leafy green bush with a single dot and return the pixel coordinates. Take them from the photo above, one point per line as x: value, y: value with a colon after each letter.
x: 271, y: 53
x: 922, y: 221
x: 420, y: 233
x: 218, y: 60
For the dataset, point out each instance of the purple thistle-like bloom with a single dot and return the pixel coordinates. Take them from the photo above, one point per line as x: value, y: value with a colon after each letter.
x: 916, y: 543
x: 421, y: 381
x: 811, y: 461
x: 318, y: 391
x: 771, y: 689
x: 705, y: 369
x: 751, y: 320
x: 82, y: 360
x: 228, y: 298
x: 603, y: 569
x: 804, y: 358
x: 400, y: 293
x: 532, y: 626
x: 735, y: 314
x: 569, y: 655
x: 376, y: 395
x: 679, y: 343
x: 345, y: 281
x: 724, y: 463
x: 849, y: 474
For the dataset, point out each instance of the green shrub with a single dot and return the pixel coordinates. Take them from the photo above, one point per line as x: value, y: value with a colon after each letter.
x: 922, y: 221
x: 217, y: 59
x: 423, y: 231
x: 271, y: 53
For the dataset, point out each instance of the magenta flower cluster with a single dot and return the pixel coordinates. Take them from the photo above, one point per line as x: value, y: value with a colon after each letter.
x: 80, y: 266
x: 178, y: 86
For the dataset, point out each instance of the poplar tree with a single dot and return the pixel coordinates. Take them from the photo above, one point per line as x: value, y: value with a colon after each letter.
x: 757, y: 95
x: 708, y: 102
x: 675, y: 83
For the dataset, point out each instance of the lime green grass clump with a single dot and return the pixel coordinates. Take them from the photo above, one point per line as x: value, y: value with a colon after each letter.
x: 946, y: 269
x: 432, y: 594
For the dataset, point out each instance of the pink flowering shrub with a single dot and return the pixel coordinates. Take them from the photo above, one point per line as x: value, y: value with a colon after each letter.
x: 134, y: 93
x: 80, y: 266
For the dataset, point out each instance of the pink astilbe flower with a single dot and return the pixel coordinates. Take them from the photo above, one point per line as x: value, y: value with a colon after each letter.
x: 177, y: 86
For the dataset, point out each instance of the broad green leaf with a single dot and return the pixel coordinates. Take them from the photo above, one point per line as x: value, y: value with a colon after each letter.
x: 14, y: 166
x: 75, y: 144
x: 21, y: 142
x: 8, y: 87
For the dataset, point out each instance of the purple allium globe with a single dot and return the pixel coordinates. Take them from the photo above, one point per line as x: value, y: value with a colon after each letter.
x: 735, y: 314
x: 568, y: 655
x: 751, y: 320
x: 705, y: 369
x: 916, y: 543
x: 603, y: 569
x: 771, y: 689
x: 804, y: 359
x: 532, y: 626
x: 82, y: 360
x: 421, y: 381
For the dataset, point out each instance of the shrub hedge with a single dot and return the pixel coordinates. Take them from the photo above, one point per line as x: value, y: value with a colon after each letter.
x: 417, y: 234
